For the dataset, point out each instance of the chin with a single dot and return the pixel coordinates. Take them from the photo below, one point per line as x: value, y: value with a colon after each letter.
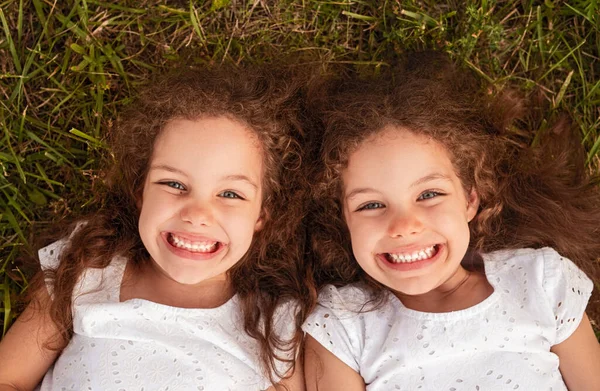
x: 415, y: 292
x: 187, y: 280
x: 411, y: 290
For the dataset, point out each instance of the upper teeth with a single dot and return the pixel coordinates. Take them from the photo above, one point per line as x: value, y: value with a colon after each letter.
x: 414, y: 256
x: 193, y: 246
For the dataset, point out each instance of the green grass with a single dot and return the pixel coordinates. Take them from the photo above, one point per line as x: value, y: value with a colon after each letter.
x: 67, y: 67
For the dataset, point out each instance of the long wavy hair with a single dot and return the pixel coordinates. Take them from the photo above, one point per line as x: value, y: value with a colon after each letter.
x: 529, y: 196
x: 266, y: 100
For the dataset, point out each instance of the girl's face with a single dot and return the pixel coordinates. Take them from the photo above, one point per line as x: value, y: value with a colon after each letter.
x: 407, y: 211
x: 202, y: 198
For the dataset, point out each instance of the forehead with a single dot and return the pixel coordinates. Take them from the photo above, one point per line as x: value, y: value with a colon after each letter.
x: 209, y: 145
x: 396, y: 154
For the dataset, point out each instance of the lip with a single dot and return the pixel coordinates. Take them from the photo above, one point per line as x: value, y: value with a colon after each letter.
x: 416, y: 265
x: 194, y: 256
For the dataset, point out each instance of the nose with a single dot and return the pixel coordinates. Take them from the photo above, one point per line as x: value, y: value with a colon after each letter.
x: 404, y: 224
x: 197, y: 213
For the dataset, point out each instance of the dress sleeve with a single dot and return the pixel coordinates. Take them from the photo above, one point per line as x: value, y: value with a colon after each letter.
x: 336, y: 326
x: 284, y: 326
x: 50, y: 259
x: 568, y: 290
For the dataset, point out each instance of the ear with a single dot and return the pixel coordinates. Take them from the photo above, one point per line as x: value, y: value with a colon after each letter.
x: 262, y: 218
x: 139, y: 198
x: 472, y: 204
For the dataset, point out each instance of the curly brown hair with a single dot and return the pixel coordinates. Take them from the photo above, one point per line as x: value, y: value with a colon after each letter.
x: 266, y: 100
x: 529, y: 196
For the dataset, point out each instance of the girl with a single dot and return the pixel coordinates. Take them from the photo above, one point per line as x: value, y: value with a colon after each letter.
x: 185, y: 278
x: 431, y: 239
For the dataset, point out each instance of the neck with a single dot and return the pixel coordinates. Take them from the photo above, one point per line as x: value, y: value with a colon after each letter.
x: 462, y: 290
x: 149, y: 282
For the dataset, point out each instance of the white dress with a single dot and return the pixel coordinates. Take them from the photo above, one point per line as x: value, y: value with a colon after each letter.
x: 502, y: 343
x: 141, y: 345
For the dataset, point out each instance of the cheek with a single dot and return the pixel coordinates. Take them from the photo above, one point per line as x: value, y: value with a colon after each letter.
x: 452, y: 223
x: 147, y: 221
x: 146, y: 209
x: 241, y: 225
x: 363, y: 234
x: 146, y: 225
x: 156, y: 209
x: 154, y: 205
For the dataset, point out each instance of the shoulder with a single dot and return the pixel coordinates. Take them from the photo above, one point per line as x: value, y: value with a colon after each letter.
x: 544, y: 265
x: 550, y: 280
x: 523, y: 264
x: 342, y: 317
x: 519, y: 254
x: 286, y: 308
x: 101, y: 281
x: 335, y: 323
x: 284, y: 318
x: 286, y: 327
x: 349, y: 298
x: 50, y: 255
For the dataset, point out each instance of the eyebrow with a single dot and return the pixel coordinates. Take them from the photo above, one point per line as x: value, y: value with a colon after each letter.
x: 360, y: 190
x: 429, y: 178
x: 242, y: 178
x: 165, y: 167
x: 420, y: 181
x: 233, y: 177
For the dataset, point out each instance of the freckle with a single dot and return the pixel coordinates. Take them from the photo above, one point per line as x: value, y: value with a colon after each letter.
x: 559, y: 303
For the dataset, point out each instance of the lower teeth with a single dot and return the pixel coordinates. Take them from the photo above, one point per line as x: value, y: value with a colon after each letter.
x: 195, y: 250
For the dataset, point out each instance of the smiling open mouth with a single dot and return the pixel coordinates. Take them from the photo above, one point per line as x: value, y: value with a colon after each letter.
x: 413, y: 256
x: 205, y: 247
